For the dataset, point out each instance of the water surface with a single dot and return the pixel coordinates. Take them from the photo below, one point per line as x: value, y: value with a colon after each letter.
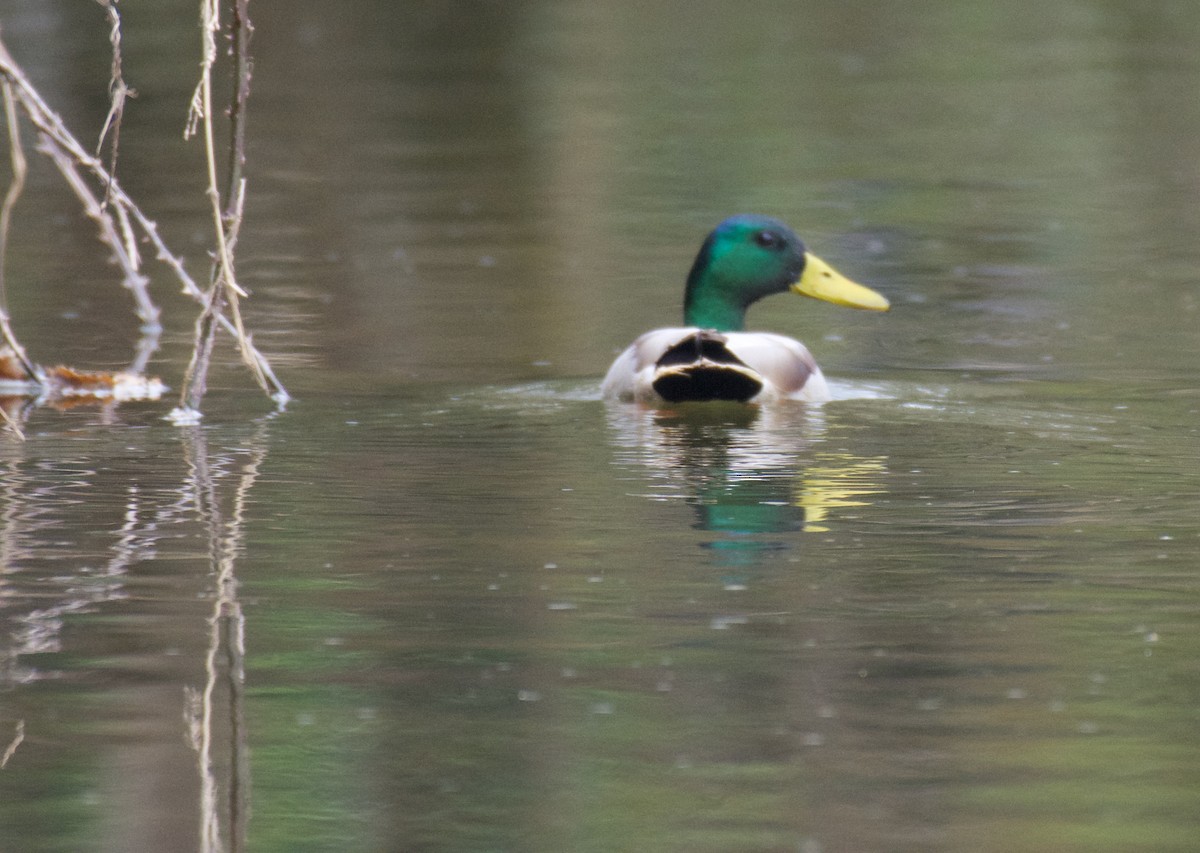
x: 451, y: 600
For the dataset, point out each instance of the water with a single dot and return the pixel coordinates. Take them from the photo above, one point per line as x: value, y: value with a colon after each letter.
x: 451, y: 600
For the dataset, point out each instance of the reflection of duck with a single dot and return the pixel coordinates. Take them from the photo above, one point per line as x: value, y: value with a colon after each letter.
x: 744, y: 259
x: 686, y: 447
x: 748, y: 471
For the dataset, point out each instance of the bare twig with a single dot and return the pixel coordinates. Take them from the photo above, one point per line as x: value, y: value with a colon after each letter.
x: 129, y: 215
x: 202, y: 102
x: 19, y: 169
x: 225, y: 289
x: 56, y: 138
x: 117, y: 89
x: 12, y: 424
x: 195, y: 380
x: 241, y: 30
x: 134, y: 280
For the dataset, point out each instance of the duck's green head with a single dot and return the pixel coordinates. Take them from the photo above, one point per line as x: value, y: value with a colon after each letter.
x: 748, y: 257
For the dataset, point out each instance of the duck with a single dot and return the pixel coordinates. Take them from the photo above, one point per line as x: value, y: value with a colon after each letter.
x: 744, y: 259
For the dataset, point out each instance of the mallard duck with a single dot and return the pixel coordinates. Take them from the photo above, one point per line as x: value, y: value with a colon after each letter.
x: 744, y: 259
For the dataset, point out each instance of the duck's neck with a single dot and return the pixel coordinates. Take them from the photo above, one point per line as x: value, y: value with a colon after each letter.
x: 719, y: 291
x: 710, y: 308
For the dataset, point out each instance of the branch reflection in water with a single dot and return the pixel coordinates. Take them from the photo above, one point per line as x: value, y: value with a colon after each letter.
x: 226, y: 657
x: 39, y: 500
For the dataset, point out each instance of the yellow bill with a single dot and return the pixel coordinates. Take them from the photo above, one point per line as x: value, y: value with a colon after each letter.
x: 821, y: 281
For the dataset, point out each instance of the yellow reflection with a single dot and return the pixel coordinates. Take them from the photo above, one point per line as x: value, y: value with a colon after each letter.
x: 836, y: 481
x: 747, y: 470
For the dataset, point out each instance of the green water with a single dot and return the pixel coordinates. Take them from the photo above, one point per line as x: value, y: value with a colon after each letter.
x: 450, y: 600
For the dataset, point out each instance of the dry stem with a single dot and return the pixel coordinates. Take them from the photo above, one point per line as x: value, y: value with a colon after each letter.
x: 135, y: 281
x: 117, y: 90
x: 19, y: 169
x: 130, y: 218
x: 225, y: 289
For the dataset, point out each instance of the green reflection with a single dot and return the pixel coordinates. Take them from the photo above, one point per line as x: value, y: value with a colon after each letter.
x: 748, y: 471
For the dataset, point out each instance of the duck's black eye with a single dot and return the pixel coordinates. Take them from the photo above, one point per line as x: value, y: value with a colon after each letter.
x: 767, y: 239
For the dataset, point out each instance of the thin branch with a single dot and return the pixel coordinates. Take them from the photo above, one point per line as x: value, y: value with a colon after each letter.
x: 117, y: 89
x: 66, y: 151
x: 225, y: 289
x: 195, y: 379
x: 45, y: 120
x: 134, y: 280
x: 241, y: 31
x: 12, y: 424
x: 19, y: 170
